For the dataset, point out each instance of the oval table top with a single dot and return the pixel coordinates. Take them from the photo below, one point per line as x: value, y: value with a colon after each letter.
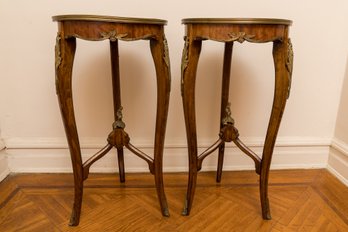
x: 104, y: 18
x: 236, y: 21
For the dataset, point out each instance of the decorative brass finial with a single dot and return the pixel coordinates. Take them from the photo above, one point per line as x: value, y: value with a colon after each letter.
x: 228, y: 119
x: 119, y: 123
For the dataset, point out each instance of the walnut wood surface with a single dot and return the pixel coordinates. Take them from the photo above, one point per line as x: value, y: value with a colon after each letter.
x: 230, y: 31
x: 239, y: 21
x: 97, y: 28
x: 105, y: 18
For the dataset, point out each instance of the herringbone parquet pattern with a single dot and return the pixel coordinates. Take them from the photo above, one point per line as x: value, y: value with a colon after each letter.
x: 301, y: 200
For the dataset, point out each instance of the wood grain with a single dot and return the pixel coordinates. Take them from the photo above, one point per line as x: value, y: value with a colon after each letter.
x: 98, y: 28
x: 302, y: 200
x: 230, y: 31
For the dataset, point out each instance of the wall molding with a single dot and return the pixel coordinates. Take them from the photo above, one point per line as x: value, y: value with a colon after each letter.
x: 52, y: 155
x: 2, y: 144
x: 4, y: 169
x: 338, y: 175
x: 96, y: 142
x: 338, y: 160
x: 340, y: 146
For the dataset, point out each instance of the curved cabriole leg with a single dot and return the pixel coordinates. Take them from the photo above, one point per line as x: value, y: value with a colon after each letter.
x: 159, y: 50
x: 282, y: 83
x: 116, y: 87
x: 189, y: 68
x: 65, y: 50
x: 224, y: 101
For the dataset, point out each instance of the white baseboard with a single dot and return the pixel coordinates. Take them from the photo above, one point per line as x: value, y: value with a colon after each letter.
x: 52, y: 155
x: 4, y: 170
x: 338, y: 160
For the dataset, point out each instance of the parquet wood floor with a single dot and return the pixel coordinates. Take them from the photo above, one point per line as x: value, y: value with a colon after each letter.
x: 301, y: 200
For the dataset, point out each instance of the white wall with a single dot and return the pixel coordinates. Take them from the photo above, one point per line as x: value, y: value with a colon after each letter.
x: 338, y: 159
x: 341, y: 130
x: 29, y: 115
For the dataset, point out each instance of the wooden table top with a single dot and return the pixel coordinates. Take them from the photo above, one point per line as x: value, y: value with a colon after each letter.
x: 104, y: 18
x: 236, y: 21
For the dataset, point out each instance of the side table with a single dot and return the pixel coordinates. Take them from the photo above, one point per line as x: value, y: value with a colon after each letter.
x: 228, y: 31
x: 98, y: 28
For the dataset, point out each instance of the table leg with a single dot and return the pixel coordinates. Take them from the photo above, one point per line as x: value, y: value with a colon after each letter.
x: 65, y: 51
x: 189, y: 68
x: 160, y: 54
x: 224, y: 101
x: 282, y: 83
x: 116, y: 87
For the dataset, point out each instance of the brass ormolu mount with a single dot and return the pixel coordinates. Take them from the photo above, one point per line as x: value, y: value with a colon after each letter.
x: 229, y: 133
x: 118, y: 138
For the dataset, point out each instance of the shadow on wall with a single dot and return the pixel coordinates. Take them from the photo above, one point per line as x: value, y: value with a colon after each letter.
x: 341, y: 131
